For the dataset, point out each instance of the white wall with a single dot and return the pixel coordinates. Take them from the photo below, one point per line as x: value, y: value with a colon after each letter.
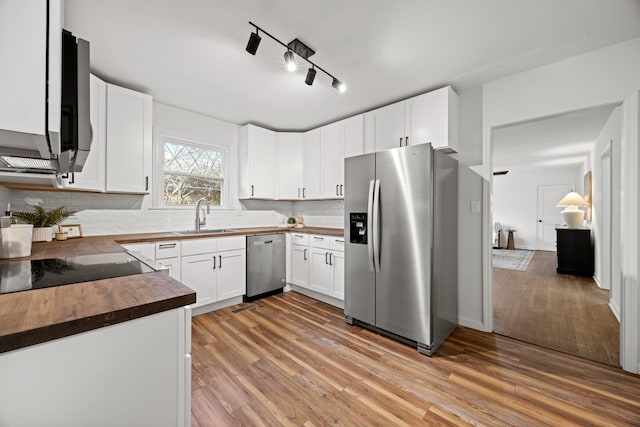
x: 469, y: 249
x: 601, y: 77
x: 515, y: 199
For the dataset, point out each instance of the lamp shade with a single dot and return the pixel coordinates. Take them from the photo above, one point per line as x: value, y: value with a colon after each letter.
x: 572, y: 199
x: 572, y: 214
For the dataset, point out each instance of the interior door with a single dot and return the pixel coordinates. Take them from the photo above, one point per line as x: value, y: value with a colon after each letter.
x: 549, y: 215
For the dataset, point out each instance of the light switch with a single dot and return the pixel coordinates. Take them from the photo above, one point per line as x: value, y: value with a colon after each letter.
x: 475, y: 206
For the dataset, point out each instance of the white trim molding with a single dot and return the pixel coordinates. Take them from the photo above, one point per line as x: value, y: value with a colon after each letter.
x: 630, y: 219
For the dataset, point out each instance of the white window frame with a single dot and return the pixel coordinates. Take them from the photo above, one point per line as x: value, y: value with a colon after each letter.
x: 158, y: 194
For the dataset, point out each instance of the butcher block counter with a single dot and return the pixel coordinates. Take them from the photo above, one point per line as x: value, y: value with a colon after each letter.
x: 40, y: 315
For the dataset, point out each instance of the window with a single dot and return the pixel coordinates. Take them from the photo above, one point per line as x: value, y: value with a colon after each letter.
x: 191, y: 171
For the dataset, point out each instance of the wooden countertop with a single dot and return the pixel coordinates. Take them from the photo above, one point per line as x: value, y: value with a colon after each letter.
x: 41, y: 315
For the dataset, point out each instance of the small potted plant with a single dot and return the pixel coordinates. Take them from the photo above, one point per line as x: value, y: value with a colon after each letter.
x: 291, y: 221
x: 43, y: 221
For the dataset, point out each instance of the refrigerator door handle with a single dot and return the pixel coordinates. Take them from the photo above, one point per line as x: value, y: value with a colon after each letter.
x: 376, y: 226
x: 370, y: 225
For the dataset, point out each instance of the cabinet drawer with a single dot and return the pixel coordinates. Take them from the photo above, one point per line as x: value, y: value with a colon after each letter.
x: 337, y: 244
x: 300, y: 239
x: 144, y: 249
x: 166, y: 250
x: 198, y: 246
x: 318, y: 241
x: 231, y: 243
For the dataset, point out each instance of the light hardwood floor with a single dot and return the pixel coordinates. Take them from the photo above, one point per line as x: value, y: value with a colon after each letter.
x: 560, y: 311
x: 293, y: 361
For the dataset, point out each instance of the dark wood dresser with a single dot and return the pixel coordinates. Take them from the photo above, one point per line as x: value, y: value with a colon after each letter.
x: 574, y: 251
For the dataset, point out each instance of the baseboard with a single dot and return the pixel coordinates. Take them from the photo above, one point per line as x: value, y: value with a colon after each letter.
x: 615, y: 309
x: 471, y: 323
x: 595, y: 279
x: 196, y: 311
x: 316, y: 295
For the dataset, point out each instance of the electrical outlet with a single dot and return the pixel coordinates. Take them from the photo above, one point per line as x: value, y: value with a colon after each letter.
x: 475, y: 206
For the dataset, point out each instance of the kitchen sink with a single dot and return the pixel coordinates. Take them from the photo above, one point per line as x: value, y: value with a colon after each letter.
x: 204, y: 231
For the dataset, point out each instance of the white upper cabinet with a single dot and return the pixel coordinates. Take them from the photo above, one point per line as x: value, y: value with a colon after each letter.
x: 92, y: 176
x: 353, y: 136
x: 433, y: 118
x: 339, y: 140
x: 387, y: 126
x: 331, y: 160
x: 428, y: 118
x: 128, y: 149
x: 311, y: 164
x: 120, y: 156
x: 257, y: 152
x: 23, y: 76
x: 290, y: 165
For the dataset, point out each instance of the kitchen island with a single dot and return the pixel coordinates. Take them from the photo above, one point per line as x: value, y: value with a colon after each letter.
x: 105, y: 352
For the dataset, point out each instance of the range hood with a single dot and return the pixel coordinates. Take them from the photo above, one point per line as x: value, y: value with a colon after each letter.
x: 45, y: 131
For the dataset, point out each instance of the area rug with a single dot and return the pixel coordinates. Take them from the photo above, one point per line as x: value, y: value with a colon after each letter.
x: 512, y: 259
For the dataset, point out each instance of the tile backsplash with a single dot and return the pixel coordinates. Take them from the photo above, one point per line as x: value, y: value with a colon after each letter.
x: 101, y: 214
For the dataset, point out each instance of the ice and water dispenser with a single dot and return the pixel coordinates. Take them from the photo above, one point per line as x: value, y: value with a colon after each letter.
x: 358, y: 228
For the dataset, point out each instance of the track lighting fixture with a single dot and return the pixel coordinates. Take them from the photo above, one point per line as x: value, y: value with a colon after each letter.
x: 254, y: 42
x: 337, y: 84
x: 290, y: 61
x: 311, y: 74
x: 298, y: 48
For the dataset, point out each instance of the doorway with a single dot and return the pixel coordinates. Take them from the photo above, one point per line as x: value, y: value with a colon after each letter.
x: 550, y: 158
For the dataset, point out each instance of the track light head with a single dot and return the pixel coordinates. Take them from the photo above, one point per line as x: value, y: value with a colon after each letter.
x: 254, y: 42
x: 311, y: 74
x: 289, y: 60
x: 340, y: 86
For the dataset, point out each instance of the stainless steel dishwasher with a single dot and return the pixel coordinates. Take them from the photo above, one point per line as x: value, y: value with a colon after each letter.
x: 266, y: 272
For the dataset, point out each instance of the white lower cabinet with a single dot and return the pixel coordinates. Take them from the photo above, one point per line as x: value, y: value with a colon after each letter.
x: 300, y: 265
x: 214, y: 274
x: 337, y: 267
x: 231, y: 274
x: 198, y: 274
x: 320, y: 272
x: 318, y: 265
x: 135, y: 373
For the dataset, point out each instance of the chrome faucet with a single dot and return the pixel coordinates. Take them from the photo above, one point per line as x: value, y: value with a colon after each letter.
x: 203, y: 221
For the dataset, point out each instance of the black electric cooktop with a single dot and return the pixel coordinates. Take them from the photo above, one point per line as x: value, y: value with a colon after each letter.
x: 18, y: 276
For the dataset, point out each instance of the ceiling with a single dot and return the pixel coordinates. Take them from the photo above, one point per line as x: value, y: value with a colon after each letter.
x: 190, y: 53
x: 563, y: 140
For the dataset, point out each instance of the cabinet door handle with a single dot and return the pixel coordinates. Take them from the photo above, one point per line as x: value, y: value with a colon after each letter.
x: 166, y: 245
x: 341, y: 186
x: 305, y: 254
x: 303, y: 196
x: 337, y: 190
x: 326, y: 257
x: 214, y: 262
x: 252, y: 191
x: 220, y: 261
x: 406, y: 141
x: 146, y: 183
x: 400, y: 141
x: 72, y: 179
x: 318, y: 238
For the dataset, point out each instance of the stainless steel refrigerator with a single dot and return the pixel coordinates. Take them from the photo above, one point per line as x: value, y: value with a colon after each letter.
x: 401, y: 237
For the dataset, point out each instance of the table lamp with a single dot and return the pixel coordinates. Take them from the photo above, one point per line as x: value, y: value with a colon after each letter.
x: 572, y: 214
